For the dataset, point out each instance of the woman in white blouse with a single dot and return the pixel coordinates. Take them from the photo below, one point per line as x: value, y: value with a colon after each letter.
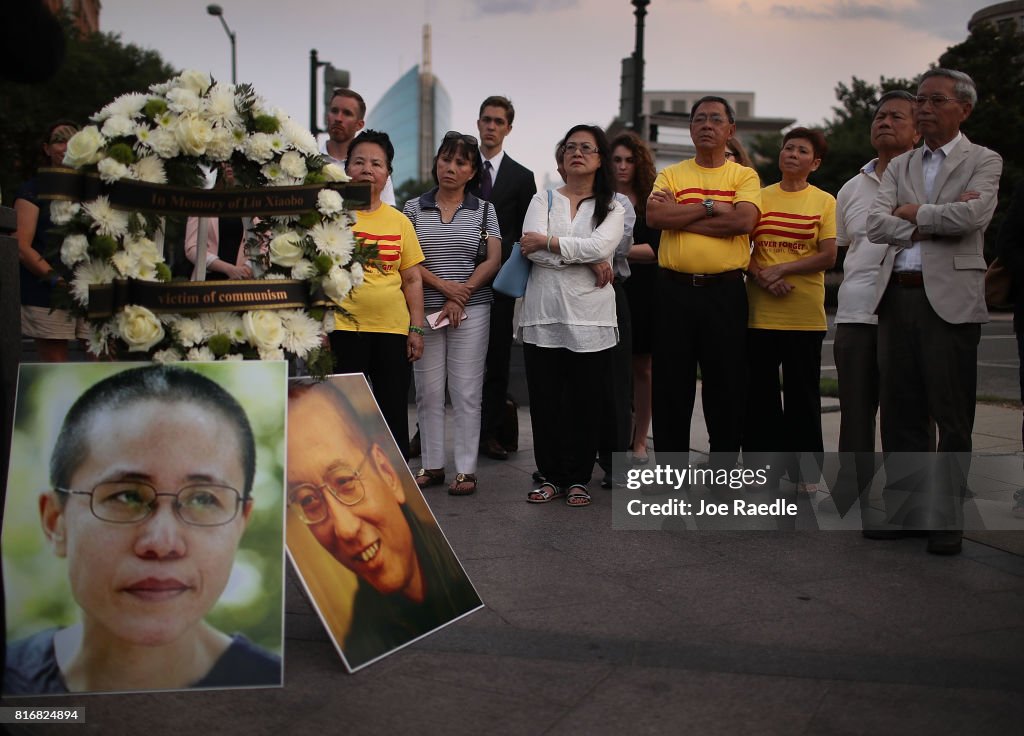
x: 567, y: 318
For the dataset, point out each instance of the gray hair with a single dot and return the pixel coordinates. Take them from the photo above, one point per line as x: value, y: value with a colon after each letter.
x: 964, y: 88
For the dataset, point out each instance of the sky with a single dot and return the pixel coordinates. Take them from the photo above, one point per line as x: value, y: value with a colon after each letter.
x: 558, y: 60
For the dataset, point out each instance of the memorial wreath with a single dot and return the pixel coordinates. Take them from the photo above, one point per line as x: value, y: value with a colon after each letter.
x: 147, y: 155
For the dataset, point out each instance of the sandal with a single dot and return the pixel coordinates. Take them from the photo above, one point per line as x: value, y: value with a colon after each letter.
x: 807, y: 489
x: 546, y: 492
x: 464, y: 485
x: 578, y: 496
x: 427, y: 478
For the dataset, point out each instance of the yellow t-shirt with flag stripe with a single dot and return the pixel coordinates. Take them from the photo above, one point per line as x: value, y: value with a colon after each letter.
x: 791, y: 226
x: 692, y: 253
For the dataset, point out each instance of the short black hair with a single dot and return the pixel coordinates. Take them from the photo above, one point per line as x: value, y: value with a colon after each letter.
x: 459, y: 146
x: 816, y: 138
x: 713, y: 98
x: 372, y: 136
x: 156, y: 382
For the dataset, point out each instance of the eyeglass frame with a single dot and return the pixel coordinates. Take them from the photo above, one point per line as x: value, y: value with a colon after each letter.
x: 357, y: 474
x: 466, y: 138
x: 152, y: 506
x: 573, y: 147
x: 937, y: 100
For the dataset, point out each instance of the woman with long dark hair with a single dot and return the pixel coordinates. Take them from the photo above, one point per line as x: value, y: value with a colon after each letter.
x: 567, y: 321
x: 634, y: 178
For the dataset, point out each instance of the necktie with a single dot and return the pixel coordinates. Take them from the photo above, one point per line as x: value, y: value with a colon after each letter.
x: 485, y: 181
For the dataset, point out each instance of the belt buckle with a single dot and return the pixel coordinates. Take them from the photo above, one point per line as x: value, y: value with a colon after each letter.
x: 699, y: 279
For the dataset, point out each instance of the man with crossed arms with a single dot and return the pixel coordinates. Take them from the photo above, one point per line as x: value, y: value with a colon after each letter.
x: 931, y: 303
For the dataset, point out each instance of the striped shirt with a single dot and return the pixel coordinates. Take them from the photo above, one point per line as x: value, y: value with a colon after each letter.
x: 450, y: 248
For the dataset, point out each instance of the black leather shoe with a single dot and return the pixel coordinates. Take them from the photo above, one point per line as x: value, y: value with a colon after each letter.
x: 493, y: 449
x: 945, y: 543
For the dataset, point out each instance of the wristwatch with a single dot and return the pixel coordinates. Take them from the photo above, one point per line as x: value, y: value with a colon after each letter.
x: 709, y: 207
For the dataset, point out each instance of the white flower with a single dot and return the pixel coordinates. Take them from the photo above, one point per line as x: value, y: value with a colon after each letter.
x: 221, y: 145
x: 170, y: 355
x: 150, y: 169
x: 98, y: 339
x: 182, y: 100
x: 294, y: 165
x: 303, y: 270
x: 139, y: 328
x: 333, y: 239
x: 333, y: 172
x: 106, y: 220
x: 193, y: 134
x: 263, y: 329
x: 233, y: 356
x: 74, y: 250
x: 286, y: 249
x: 189, y: 331
x: 164, y: 143
x: 277, y: 142
x: 167, y: 120
x: 84, y: 147
x: 92, y: 272
x: 273, y: 172
x: 118, y: 126
x: 111, y: 170
x: 257, y: 147
x: 329, y: 202
x: 302, y: 332
x: 277, y: 354
x: 300, y: 138
x: 193, y: 80
x: 62, y: 212
x: 223, y: 323
x: 138, y: 259
x: 356, y: 271
x: 220, y: 107
x: 337, y: 283
x: 201, y: 354
x: 128, y: 105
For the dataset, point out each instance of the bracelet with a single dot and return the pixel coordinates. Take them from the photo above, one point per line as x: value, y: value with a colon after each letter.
x: 416, y: 329
x: 549, y: 244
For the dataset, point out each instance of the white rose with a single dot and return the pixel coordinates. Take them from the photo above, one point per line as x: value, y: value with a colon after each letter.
x: 193, y: 134
x: 329, y: 202
x: 84, y: 147
x: 294, y: 165
x: 356, y: 272
x: 118, y: 126
x: 263, y: 329
x: 74, y: 250
x: 333, y: 172
x: 62, y: 212
x: 196, y: 81
x: 139, y: 328
x: 286, y: 249
x: 337, y: 283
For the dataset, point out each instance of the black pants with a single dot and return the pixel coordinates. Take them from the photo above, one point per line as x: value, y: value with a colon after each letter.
x: 566, y: 404
x: 856, y: 356
x: 617, y: 425
x: 705, y: 326
x: 381, y: 357
x: 496, y: 371
x: 785, y: 420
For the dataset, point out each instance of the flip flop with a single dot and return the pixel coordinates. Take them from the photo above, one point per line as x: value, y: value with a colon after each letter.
x: 545, y: 493
x: 463, y: 479
x: 426, y: 478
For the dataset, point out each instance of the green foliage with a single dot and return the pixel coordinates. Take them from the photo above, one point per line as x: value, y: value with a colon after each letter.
x: 96, y: 69
x: 410, y: 189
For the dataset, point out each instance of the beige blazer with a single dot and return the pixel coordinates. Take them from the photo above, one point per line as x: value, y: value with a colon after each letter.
x: 952, y: 263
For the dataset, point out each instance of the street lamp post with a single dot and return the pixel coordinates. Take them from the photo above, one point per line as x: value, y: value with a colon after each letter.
x: 219, y: 12
x: 638, y: 63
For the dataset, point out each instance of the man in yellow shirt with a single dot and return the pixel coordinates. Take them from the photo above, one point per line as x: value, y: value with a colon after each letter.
x: 706, y: 208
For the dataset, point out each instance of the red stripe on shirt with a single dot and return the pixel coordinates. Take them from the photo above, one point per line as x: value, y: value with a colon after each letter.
x: 707, y: 192
x: 791, y: 216
x: 783, y: 223
x: 371, y: 236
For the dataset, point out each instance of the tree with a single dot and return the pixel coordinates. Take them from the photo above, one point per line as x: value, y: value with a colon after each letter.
x: 97, y: 68
x: 411, y: 188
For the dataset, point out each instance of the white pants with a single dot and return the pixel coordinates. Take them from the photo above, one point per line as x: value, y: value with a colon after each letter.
x: 458, y: 355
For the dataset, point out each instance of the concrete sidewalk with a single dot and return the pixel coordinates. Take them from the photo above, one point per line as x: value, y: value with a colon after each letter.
x: 593, y: 631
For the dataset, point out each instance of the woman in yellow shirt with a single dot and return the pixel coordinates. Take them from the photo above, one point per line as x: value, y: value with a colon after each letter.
x: 793, y: 244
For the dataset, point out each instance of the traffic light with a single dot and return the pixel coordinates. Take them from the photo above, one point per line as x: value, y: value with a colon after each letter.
x: 333, y: 78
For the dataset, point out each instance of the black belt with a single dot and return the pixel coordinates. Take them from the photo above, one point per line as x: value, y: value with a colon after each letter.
x: 907, y: 279
x: 703, y: 279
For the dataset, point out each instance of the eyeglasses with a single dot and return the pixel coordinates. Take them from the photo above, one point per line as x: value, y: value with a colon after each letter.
x: 936, y: 100
x: 713, y: 119
x: 454, y: 135
x: 730, y: 155
x: 132, y: 501
x: 585, y: 148
x: 343, y: 483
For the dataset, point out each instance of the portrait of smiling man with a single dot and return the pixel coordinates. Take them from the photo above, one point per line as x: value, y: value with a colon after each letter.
x: 369, y: 552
